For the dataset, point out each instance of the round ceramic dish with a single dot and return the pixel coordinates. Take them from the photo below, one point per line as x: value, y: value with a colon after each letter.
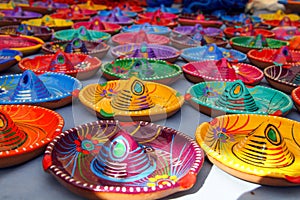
x: 266, y: 57
x: 44, y: 7
x: 284, y: 78
x: 146, y: 69
x: 18, y: 14
x: 26, y: 131
x: 25, y: 44
x: 156, y: 51
x: 42, y: 32
x: 117, y: 12
x: 83, y: 34
x: 247, y: 43
x: 285, y: 32
x: 216, y: 98
x: 200, y: 19
x: 81, y: 66
x: 211, y: 52
x: 279, y: 15
x: 92, y: 48
x: 162, y: 8
x: 185, y: 41
x: 131, y: 100
x: 148, y: 28
x: 139, y: 37
x: 152, y: 173
x: 192, y: 30
x: 9, y: 58
x: 222, y: 70
x: 51, y: 90
x: 163, y: 15
x: 97, y: 25
x: 256, y: 148
x: 245, y: 31
x: 90, y: 5
x: 296, y: 97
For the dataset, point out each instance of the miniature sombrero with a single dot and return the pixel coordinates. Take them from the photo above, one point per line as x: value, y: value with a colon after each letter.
x: 139, y: 37
x: 148, y: 28
x: 131, y: 99
x: 77, y: 10
x: 83, y: 34
x: 144, y: 68
x: 286, y: 21
x: 285, y: 32
x: 97, y: 25
x: 25, y: 44
x: 56, y: 24
x: 200, y: 19
x: 211, y: 52
x: 192, y: 30
x: 256, y: 148
x: 239, y: 20
x: 217, y: 98
x: 164, y: 9
x: 10, y: 5
x: 117, y: 12
x: 144, y: 50
x: 128, y: 6
x: 139, y: 160
x: 247, y: 31
x: 43, y: 7
x: 266, y: 57
x: 222, y: 70
x: 284, y: 78
x: 246, y: 43
x: 279, y: 15
x: 185, y: 41
x: 18, y: 14
x: 157, y: 19
x: 117, y: 19
x: 7, y: 22
x: 164, y: 15
x: 25, y: 131
x: 296, y: 97
x: 9, y: 58
x: 90, y: 5
x: 81, y: 66
x: 45, y: 90
x: 42, y: 32
x: 69, y: 15
x: 92, y: 48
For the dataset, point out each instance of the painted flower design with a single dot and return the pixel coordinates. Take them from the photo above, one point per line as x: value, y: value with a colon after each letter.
x: 209, y: 92
x: 87, y: 145
x: 164, y: 180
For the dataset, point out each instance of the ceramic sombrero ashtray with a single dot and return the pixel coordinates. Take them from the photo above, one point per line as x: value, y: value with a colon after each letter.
x: 157, y: 19
x: 42, y: 32
x: 90, y: 5
x: 248, y: 30
x: 97, y: 25
x: 211, y: 52
x: 256, y: 148
x: 9, y: 58
x: 131, y: 99
x: 222, y: 70
x: 200, y: 19
x: 18, y: 14
x: 113, y: 17
x: 285, y: 32
x: 51, y: 90
x: 247, y: 43
x: 279, y: 15
x: 284, y: 78
x: 56, y: 24
x: 139, y: 37
x: 118, y: 160
x: 43, y: 7
x: 148, y: 28
x: 127, y: 6
x: 83, y: 34
x: 25, y: 131
x: 75, y: 10
x: 164, y: 15
x: 296, y: 97
x: 163, y: 8
x: 117, y: 12
x: 192, y: 30
x: 93, y: 48
x: 266, y: 57
x: 239, y: 20
x: 144, y: 50
x: 185, y: 41
x: 216, y: 98
x: 146, y: 69
x: 286, y: 21
x: 25, y: 44
x: 81, y: 66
